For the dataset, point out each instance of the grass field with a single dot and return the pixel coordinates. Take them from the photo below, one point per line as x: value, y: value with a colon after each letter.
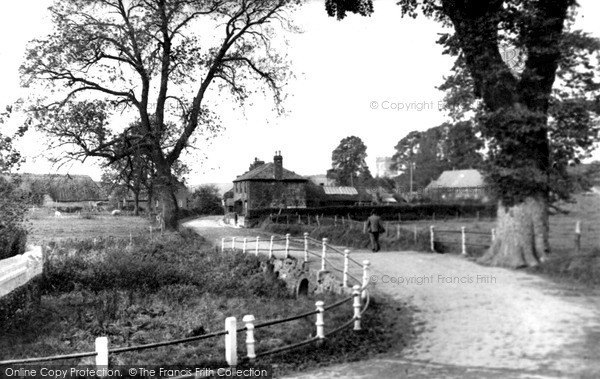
x: 44, y: 226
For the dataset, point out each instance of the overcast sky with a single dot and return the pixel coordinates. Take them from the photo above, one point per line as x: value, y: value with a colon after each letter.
x: 347, y: 73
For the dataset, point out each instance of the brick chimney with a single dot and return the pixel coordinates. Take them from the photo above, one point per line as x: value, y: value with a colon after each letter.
x: 278, y: 162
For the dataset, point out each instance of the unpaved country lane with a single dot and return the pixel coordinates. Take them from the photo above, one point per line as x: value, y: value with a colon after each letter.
x: 474, y: 321
x: 482, y: 322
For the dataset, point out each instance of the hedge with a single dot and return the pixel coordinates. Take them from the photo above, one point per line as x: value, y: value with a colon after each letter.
x: 19, y: 304
x: 407, y: 212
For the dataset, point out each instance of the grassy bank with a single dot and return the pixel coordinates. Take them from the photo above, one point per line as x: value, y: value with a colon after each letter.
x: 46, y: 227
x: 174, y: 287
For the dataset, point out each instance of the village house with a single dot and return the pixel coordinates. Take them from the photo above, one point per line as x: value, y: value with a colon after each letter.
x: 457, y: 185
x: 268, y: 185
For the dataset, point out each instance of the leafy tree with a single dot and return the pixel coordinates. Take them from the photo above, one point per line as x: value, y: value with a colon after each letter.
x: 9, y: 157
x: 348, y: 162
x: 129, y: 174
x: 255, y: 164
x: 445, y: 147
x: 462, y: 146
x: 106, y: 56
x: 206, y: 200
x: 536, y: 116
x: 13, y: 202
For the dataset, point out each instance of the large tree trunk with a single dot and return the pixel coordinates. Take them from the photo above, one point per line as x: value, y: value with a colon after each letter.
x: 166, y: 193
x: 521, y: 235
x: 136, y: 202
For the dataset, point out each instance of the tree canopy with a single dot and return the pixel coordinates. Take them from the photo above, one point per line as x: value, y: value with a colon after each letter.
x: 348, y: 166
x: 150, y: 57
x: 450, y: 146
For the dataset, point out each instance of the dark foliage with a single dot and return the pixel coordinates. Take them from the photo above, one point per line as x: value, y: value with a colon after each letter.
x: 206, y: 200
x: 13, y: 205
x: 387, y: 212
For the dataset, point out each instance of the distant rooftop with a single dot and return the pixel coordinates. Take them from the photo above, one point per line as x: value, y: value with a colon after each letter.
x: 333, y: 190
x: 458, y: 178
x: 267, y: 172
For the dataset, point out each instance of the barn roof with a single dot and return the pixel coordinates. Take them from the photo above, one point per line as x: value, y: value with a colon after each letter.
x: 267, y: 172
x: 458, y: 179
x: 63, y: 188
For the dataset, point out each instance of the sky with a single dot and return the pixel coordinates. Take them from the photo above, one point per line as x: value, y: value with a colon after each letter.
x: 372, y: 77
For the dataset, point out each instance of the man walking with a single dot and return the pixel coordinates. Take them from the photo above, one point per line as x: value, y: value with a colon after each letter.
x: 374, y: 227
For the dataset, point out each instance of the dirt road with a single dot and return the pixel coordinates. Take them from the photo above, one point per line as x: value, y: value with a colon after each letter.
x: 474, y: 321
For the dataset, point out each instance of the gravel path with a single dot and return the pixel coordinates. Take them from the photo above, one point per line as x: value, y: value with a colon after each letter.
x: 474, y: 321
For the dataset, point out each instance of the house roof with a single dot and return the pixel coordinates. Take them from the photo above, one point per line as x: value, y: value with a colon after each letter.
x: 63, y: 187
x: 333, y: 190
x: 267, y: 172
x: 458, y: 179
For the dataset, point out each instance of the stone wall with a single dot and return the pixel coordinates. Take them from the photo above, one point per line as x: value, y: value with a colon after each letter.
x: 301, y: 280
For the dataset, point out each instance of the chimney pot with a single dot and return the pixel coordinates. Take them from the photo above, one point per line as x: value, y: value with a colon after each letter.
x: 278, y: 166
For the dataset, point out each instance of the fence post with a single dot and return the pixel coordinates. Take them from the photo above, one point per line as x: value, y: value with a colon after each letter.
x: 578, y: 235
x: 387, y: 228
x: 463, y: 240
x: 356, y: 305
x: 318, y: 222
x: 305, y: 246
x: 222, y: 245
x: 398, y: 231
x: 365, y: 278
x: 232, y: 243
x: 415, y: 233
x: 244, y: 245
x: 335, y: 220
x: 249, y: 321
x: 320, y: 324
x: 365, y: 227
x: 257, y: 243
x: 287, y: 245
x: 231, y: 341
x: 431, y: 238
x: 493, y: 234
x: 101, y: 345
x: 299, y: 219
x: 346, y: 267
x: 323, y: 254
x: 271, y: 248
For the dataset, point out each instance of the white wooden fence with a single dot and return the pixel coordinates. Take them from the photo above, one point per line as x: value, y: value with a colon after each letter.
x: 20, y: 269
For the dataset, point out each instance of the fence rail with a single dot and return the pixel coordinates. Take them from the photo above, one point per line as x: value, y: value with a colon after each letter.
x: 464, y: 241
x: 359, y: 297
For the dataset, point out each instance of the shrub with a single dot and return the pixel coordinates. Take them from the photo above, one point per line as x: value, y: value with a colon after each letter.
x: 69, y: 209
x: 408, y: 212
x: 13, y: 207
x: 177, y: 260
